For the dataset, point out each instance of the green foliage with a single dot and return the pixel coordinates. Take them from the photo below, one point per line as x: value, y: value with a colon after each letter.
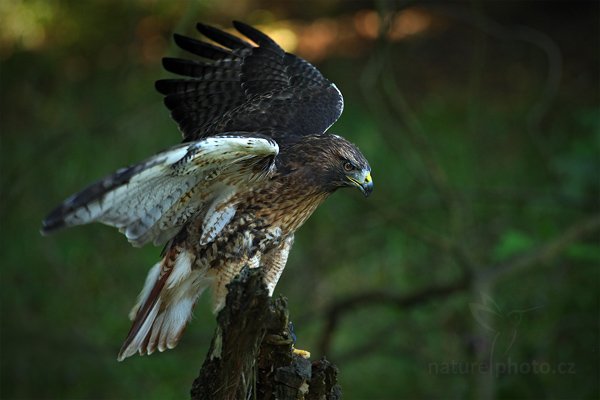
x: 512, y: 243
x: 77, y: 102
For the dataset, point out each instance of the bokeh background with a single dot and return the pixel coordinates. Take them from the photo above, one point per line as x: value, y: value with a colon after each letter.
x: 471, y: 272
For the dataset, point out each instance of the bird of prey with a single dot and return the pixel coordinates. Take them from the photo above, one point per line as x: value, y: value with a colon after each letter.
x: 255, y: 163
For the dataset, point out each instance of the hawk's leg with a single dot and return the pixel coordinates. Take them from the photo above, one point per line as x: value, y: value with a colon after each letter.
x: 274, y: 262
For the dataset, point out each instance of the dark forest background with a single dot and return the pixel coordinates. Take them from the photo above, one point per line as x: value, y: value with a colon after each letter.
x: 471, y: 272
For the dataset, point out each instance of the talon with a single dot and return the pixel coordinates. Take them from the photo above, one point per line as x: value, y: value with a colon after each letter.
x: 301, y: 353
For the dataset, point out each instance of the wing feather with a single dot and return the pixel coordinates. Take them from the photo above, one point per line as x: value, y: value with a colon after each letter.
x: 221, y: 37
x: 149, y: 200
x: 199, y: 48
x: 241, y: 87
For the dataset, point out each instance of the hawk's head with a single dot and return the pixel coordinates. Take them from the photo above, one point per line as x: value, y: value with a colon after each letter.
x: 334, y: 163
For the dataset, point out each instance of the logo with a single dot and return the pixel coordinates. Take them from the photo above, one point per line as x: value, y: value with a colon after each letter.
x: 502, y: 325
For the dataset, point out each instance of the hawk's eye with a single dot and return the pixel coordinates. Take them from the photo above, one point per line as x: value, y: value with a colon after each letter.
x: 348, y: 166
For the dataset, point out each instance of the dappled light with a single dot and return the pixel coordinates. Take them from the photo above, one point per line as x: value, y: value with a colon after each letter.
x: 24, y: 25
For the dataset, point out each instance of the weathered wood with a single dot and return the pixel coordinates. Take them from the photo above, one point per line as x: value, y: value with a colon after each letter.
x: 251, y: 354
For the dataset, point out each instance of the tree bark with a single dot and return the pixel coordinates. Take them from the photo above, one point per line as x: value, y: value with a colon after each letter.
x: 251, y: 354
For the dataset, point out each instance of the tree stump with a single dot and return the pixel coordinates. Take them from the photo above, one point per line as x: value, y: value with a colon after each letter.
x: 251, y: 354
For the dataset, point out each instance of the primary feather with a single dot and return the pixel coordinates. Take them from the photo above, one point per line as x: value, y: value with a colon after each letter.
x: 156, y: 195
x: 242, y: 87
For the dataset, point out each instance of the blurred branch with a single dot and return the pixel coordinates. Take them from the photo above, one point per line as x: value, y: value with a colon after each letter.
x: 394, y: 107
x: 544, y: 252
x: 422, y: 233
x: 391, y: 109
x: 337, y: 310
x: 368, y: 347
x: 420, y: 143
x: 400, y: 106
x: 453, y: 202
x: 435, y: 240
x: 533, y: 37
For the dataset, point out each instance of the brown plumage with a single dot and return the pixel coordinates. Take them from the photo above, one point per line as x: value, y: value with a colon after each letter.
x: 256, y: 166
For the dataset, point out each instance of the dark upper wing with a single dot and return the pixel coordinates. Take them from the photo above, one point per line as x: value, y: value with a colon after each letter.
x: 243, y: 87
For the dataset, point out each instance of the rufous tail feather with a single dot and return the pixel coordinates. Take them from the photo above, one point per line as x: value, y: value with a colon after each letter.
x: 164, y: 305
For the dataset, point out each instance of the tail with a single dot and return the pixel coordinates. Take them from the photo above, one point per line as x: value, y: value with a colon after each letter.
x: 164, y: 305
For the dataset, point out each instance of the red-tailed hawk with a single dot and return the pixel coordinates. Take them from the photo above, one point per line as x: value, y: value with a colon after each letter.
x: 255, y: 163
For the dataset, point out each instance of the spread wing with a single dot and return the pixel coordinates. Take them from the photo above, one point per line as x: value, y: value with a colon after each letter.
x: 241, y: 87
x: 152, y: 200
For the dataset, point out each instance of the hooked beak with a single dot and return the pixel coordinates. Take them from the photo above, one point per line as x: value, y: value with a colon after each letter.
x: 363, y: 181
